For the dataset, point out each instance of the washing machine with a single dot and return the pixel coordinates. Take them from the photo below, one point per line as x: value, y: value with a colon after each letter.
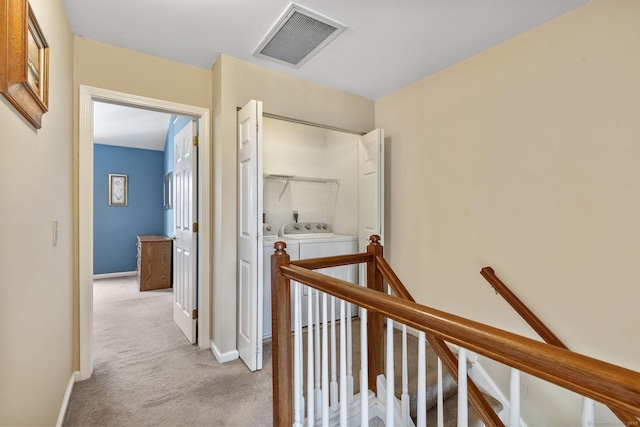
x: 306, y: 240
x: 316, y: 240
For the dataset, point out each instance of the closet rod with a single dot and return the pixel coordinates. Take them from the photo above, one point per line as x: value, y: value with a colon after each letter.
x: 276, y: 177
x: 307, y: 123
x: 289, y: 178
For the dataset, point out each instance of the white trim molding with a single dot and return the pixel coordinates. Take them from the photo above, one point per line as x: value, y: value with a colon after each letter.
x: 223, y: 357
x: 67, y: 397
x: 114, y: 275
x: 88, y: 95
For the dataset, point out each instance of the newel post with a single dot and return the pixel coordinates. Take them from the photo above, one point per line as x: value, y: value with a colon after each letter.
x: 282, y: 344
x: 375, y: 324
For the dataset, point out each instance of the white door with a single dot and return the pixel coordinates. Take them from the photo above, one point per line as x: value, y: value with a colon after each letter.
x: 250, y: 287
x: 185, y: 242
x: 371, y: 187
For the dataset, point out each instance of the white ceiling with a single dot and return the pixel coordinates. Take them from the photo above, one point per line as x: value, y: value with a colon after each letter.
x: 387, y: 44
x: 129, y: 127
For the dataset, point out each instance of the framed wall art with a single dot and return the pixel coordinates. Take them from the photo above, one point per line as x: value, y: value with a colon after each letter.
x: 117, y: 189
x: 24, y: 54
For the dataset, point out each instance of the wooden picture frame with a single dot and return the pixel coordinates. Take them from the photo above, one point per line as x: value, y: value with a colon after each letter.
x: 118, y: 190
x: 24, y: 59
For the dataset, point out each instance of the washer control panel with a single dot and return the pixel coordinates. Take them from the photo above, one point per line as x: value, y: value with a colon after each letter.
x: 269, y: 230
x: 308, y: 229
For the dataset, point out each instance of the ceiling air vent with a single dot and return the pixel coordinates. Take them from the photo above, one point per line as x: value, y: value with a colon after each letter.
x: 298, y: 35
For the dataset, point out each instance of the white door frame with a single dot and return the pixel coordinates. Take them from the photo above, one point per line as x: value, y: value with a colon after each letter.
x: 88, y: 95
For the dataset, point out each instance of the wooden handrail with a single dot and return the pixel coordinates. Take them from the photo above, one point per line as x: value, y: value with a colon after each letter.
x: 536, y: 324
x: 528, y: 316
x: 332, y: 261
x: 598, y: 380
x: 393, y: 280
x: 478, y: 401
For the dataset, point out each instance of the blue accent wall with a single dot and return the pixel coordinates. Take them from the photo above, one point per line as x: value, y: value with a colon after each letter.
x: 115, y: 227
x: 174, y: 128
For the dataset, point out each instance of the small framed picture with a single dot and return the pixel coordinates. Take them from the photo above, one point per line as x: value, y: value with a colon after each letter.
x: 117, y: 190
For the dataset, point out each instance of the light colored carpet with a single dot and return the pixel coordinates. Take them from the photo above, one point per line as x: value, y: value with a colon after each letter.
x: 147, y: 374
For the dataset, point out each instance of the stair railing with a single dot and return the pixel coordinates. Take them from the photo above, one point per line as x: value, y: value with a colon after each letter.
x: 378, y: 270
x: 609, y: 384
x: 477, y: 399
x: 549, y: 337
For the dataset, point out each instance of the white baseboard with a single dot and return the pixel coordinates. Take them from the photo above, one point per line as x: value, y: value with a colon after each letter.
x: 223, y: 357
x: 113, y: 275
x: 66, y: 398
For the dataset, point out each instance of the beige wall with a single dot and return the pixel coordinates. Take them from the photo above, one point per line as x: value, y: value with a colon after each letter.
x: 36, y: 276
x: 526, y: 158
x: 238, y: 83
x: 110, y: 67
x: 121, y: 70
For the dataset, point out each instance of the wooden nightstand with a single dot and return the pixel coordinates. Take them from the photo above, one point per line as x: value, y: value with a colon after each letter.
x: 154, y: 261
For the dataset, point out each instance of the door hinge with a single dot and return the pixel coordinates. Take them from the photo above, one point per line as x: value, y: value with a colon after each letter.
x: 195, y: 227
x: 194, y: 314
x: 196, y: 141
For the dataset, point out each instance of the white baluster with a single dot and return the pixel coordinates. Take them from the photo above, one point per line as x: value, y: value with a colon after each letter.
x: 325, y: 364
x: 310, y: 365
x: 588, y: 412
x: 297, y: 356
x: 463, y: 416
x: 318, y: 390
x: 343, y: 366
x: 334, y: 378
x: 349, y: 356
x: 364, y: 370
x: 422, y: 381
x: 302, y: 398
x: 404, y: 399
x: 440, y: 395
x: 514, y: 399
x: 390, y: 376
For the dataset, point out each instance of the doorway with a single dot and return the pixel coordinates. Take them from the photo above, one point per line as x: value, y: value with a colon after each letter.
x: 89, y: 95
